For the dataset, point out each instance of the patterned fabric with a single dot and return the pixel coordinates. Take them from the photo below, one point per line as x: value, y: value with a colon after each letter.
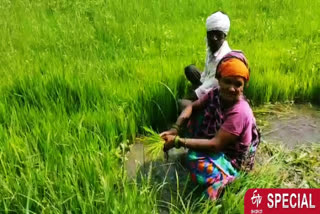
x: 205, y: 123
x: 215, y: 171
x: 249, y: 157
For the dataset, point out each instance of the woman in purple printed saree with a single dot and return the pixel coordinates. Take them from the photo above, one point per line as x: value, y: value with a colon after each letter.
x: 222, y: 137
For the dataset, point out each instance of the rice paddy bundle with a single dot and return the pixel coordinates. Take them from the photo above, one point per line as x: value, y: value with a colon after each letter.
x: 153, y: 144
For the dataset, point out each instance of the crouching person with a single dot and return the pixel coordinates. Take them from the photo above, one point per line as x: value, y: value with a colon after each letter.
x: 221, y: 134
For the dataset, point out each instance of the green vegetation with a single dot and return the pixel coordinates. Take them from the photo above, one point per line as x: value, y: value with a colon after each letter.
x: 79, y: 78
x: 153, y: 144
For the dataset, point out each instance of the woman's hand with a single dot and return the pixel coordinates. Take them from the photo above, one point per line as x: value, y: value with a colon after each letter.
x: 169, y: 142
x: 169, y: 132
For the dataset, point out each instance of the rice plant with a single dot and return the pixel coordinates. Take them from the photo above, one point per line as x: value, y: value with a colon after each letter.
x: 78, y: 78
x: 153, y: 144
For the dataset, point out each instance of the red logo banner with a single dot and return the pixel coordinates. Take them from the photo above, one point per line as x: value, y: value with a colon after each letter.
x: 282, y: 201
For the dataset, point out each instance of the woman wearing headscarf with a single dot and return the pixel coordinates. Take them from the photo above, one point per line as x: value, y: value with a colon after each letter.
x: 221, y: 130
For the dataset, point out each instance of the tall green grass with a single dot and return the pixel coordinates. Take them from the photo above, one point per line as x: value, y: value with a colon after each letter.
x: 78, y: 78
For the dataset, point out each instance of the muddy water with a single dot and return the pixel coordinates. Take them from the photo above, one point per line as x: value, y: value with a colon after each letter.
x: 170, y: 173
x: 138, y: 162
x: 291, y: 125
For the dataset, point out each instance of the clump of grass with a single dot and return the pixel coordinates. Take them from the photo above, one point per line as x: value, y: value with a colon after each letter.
x: 153, y: 144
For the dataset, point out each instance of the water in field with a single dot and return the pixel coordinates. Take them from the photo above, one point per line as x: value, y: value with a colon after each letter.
x: 170, y: 173
x: 290, y: 125
x: 139, y: 162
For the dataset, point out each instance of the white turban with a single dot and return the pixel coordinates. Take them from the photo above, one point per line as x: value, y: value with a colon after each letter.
x: 218, y: 21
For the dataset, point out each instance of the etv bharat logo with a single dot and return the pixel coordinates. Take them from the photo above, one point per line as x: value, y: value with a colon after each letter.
x: 256, y: 199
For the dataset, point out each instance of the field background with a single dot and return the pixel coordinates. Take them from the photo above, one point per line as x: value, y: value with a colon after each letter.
x: 80, y: 78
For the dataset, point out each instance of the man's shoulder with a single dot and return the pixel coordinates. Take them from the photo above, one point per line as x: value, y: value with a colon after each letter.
x: 223, y: 50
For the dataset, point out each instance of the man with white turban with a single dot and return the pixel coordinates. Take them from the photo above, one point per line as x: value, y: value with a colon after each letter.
x: 217, y: 25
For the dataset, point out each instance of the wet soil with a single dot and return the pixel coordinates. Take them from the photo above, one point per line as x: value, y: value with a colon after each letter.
x: 138, y: 163
x: 170, y: 173
x: 290, y: 125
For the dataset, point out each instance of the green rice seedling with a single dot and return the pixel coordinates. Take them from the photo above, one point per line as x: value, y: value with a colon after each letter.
x: 75, y: 85
x: 153, y: 144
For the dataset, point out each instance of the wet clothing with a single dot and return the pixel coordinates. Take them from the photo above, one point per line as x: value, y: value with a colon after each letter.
x: 237, y: 120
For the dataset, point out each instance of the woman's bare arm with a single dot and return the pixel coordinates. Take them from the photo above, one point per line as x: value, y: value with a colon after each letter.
x: 216, y: 144
x: 186, y: 113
